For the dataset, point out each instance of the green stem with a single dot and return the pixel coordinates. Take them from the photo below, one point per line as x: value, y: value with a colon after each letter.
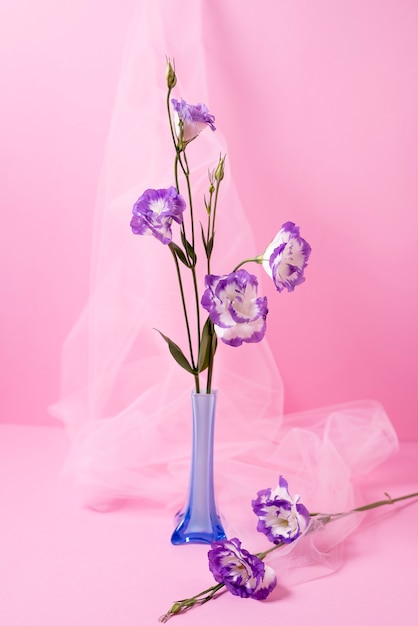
x: 330, y: 517
x: 183, y: 605
x: 262, y: 555
x: 211, y: 235
x: 186, y: 171
x: 170, y: 119
x: 192, y: 262
x: 252, y: 260
x: 211, y: 590
x: 215, y: 204
x: 183, y: 301
x: 176, y: 172
x: 210, y: 372
x: 208, y: 232
x: 197, y: 303
x: 211, y: 360
x: 185, y: 168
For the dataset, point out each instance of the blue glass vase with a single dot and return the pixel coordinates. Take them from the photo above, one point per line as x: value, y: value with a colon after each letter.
x: 198, y: 521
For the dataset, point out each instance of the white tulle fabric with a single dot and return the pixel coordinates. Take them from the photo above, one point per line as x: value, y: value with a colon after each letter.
x: 124, y: 401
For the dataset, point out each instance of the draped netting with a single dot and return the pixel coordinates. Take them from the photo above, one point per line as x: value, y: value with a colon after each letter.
x: 124, y: 401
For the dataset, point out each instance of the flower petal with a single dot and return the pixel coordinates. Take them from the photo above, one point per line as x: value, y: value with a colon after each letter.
x: 286, y: 257
x: 266, y: 584
x: 154, y: 212
x: 280, y: 518
x: 191, y: 119
x: 234, y: 308
x: 242, y: 573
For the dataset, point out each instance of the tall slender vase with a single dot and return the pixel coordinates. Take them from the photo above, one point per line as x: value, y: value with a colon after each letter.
x: 199, y: 522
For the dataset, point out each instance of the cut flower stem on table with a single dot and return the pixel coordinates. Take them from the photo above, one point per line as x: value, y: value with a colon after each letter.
x: 245, y: 574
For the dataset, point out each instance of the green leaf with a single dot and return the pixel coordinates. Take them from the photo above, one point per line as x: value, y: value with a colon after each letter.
x: 207, y: 205
x: 208, y: 345
x: 179, y: 253
x: 189, y: 249
x: 205, y: 347
x: 214, y: 342
x: 204, y: 238
x: 177, y: 354
x: 210, y: 245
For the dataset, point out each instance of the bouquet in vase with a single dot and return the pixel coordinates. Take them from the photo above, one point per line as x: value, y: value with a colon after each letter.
x: 227, y: 307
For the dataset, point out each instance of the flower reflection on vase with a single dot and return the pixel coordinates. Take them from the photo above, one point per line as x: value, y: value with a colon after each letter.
x: 236, y: 313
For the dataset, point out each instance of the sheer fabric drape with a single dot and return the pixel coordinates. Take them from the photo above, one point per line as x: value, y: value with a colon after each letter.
x: 124, y: 401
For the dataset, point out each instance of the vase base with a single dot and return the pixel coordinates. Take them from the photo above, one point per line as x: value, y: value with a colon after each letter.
x: 178, y: 537
x: 187, y: 531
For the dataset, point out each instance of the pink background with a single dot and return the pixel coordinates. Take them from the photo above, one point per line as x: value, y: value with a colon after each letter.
x: 333, y: 149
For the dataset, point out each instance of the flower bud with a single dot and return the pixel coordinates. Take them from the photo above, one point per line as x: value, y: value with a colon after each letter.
x: 176, y: 608
x: 220, y: 170
x: 211, y: 176
x: 170, y: 75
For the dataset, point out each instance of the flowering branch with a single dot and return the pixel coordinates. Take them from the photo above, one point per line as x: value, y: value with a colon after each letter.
x: 189, y: 248
x: 259, y: 586
x: 236, y: 314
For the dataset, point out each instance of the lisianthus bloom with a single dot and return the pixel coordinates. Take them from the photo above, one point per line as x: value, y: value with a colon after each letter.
x: 280, y: 517
x: 286, y: 257
x: 242, y: 573
x: 154, y: 212
x: 192, y: 119
x: 234, y: 308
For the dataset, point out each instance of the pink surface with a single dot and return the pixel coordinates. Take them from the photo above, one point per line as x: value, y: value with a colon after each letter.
x: 62, y: 564
x: 323, y: 95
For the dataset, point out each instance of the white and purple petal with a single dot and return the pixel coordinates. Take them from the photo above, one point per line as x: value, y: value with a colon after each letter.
x: 280, y: 518
x: 193, y: 117
x: 242, y: 573
x: 234, y: 308
x: 250, y: 332
x: 282, y: 490
x: 286, y: 257
x: 154, y: 212
x: 266, y: 584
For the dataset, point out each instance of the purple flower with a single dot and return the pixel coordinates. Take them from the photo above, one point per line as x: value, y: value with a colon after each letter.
x: 154, y: 211
x: 242, y: 573
x: 280, y: 518
x: 192, y: 119
x: 286, y: 257
x: 233, y: 307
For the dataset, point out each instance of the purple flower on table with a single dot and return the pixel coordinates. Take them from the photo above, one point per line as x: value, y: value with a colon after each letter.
x: 191, y: 119
x: 234, y: 308
x: 242, y: 573
x: 154, y: 212
x: 286, y: 257
x: 280, y: 517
